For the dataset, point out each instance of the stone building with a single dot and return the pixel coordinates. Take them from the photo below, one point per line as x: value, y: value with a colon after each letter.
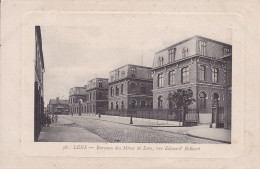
x: 196, y: 63
x: 38, y: 84
x: 96, y: 95
x: 77, y: 95
x: 58, y: 106
x: 130, y: 87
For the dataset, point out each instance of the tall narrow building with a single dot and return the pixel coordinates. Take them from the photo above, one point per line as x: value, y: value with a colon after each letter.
x: 38, y: 84
x: 96, y: 95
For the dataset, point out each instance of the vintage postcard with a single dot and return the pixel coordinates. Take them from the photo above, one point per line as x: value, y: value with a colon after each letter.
x: 148, y: 84
x: 116, y: 83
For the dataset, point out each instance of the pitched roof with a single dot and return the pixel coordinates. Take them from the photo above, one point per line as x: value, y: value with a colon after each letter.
x: 54, y: 101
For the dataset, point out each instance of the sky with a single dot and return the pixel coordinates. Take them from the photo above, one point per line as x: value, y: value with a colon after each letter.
x: 73, y: 55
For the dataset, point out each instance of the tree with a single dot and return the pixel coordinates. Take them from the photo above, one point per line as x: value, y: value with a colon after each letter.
x: 182, y: 98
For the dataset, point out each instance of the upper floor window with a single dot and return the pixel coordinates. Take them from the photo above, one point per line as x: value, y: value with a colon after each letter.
x: 117, y: 74
x: 185, y: 75
x: 122, y: 88
x: 227, y: 51
x: 117, y: 90
x: 202, y: 48
x: 123, y: 73
x: 112, y: 78
x: 202, y: 74
x: 94, y: 95
x: 160, y: 61
x: 133, y: 71
x: 100, y: 83
x: 172, y: 54
x: 172, y: 77
x: 215, y: 75
x: 111, y: 91
x: 100, y: 95
x: 90, y: 95
x: 160, y: 80
x: 143, y: 89
x: 184, y: 52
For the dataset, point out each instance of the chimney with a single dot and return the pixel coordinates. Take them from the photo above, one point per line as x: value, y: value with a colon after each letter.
x: 57, y: 100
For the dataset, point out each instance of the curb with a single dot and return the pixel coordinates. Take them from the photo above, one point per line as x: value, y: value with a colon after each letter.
x: 136, y: 125
x: 222, y: 141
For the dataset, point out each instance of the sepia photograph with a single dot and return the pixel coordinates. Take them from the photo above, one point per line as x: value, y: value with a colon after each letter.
x: 129, y: 84
x: 117, y: 81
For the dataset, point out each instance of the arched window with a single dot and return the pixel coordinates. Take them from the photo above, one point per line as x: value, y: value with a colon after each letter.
x: 116, y: 105
x: 111, y: 91
x: 122, y: 88
x: 117, y: 90
x: 133, y: 104
x: 122, y: 105
x: 143, y: 104
x: 184, y: 52
x: 203, y: 100
x: 112, y: 105
x: 160, y: 103
x: 215, y: 98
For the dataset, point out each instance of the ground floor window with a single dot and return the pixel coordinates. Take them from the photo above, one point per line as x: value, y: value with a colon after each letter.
x: 143, y: 104
x: 160, y: 103
x: 203, y: 101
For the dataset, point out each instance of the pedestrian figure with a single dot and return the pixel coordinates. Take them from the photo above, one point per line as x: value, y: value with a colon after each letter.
x: 48, y: 120
x: 56, y: 117
x: 99, y: 115
x: 52, y: 118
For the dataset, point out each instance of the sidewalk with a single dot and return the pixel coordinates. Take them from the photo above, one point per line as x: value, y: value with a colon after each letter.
x: 136, y: 121
x: 201, y: 131
x: 60, y: 132
x: 216, y: 134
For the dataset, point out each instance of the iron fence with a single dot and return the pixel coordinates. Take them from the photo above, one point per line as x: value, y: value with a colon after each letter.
x: 163, y: 114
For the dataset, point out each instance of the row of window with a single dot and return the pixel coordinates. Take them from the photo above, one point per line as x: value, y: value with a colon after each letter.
x: 83, y: 109
x: 100, y: 84
x: 117, y: 72
x: 202, y: 101
x: 185, y: 76
x: 115, y: 90
x: 92, y: 96
x: 133, y: 104
x: 184, y: 53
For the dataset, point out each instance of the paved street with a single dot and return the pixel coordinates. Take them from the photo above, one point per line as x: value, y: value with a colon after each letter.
x: 84, y: 129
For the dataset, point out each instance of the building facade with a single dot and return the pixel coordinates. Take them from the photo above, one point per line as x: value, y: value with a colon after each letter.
x: 96, y: 96
x: 195, y: 63
x: 130, y: 87
x: 58, y: 106
x: 38, y: 84
x: 77, y: 95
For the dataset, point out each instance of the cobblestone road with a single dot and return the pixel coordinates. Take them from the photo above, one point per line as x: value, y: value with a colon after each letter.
x: 114, y: 132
